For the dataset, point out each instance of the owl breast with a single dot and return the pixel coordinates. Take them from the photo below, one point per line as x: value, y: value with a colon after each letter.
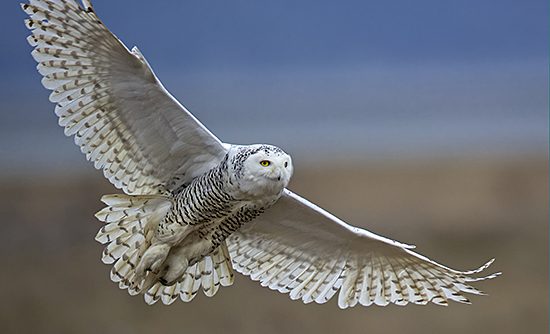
x: 208, y: 210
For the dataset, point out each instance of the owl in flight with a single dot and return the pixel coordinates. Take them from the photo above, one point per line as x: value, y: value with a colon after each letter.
x: 195, y: 209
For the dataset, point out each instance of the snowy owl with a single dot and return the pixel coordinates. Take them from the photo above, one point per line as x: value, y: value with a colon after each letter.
x: 195, y: 209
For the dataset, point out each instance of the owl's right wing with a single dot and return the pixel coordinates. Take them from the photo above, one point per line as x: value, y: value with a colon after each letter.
x: 298, y: 248
x: 108, y: 97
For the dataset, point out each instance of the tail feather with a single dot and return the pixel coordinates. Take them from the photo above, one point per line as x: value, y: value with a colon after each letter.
x: 129, y: 215
x: 153, y: 294
x: 127, y: 232
x: 130, y: 224
x: 223, y: 266
x: 123, y: 270
x: 208, y: 277
x: 209, y: 273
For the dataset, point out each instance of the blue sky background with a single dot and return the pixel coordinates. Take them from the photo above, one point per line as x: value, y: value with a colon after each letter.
x: 370, y: 79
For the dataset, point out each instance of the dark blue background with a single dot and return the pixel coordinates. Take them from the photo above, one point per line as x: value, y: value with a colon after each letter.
x: 384, y: 78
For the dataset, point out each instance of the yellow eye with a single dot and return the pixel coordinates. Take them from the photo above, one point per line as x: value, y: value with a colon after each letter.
x: 265, y: 163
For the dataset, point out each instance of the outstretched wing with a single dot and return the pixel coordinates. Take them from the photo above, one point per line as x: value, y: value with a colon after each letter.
x: 108, y: 97
x: 298, y: 248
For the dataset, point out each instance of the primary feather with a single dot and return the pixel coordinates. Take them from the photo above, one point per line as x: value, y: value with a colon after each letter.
x: 300, y: 249
x: 195, y: 208
x: 108, y: 97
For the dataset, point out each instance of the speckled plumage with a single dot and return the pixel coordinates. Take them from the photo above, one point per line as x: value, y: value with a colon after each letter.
x: 195, y: 208
x: 180, y: 229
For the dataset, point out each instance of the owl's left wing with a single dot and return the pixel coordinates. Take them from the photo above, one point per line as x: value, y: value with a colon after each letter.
x: 298, y: 248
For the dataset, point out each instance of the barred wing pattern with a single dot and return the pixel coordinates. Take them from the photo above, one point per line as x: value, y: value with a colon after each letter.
x: 121, y: 116
x: 147, y: 143
x: 300, y: 249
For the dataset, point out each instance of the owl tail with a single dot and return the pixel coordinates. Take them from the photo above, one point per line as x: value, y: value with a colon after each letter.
x: 130, y: 224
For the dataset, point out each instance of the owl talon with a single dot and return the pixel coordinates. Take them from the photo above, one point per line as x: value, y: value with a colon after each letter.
x: 153, y: 259
x: 174, y: 270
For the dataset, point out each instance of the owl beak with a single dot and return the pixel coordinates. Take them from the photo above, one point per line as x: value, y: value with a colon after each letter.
x: 276, y: 175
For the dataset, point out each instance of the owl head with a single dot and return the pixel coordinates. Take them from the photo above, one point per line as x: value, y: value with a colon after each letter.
x: 259, y: 170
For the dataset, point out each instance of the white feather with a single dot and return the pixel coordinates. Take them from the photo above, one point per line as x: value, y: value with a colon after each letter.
x: 83, y: 61
x: 147, y: 143
x: 322, y: 255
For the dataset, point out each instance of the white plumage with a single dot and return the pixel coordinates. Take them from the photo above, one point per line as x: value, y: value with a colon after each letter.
x: 195, y: 208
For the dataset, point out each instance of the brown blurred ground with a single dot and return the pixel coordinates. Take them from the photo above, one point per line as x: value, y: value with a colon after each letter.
x: 460, y: 212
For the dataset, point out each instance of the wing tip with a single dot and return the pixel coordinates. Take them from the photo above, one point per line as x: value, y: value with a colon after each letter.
x: 482, y: 268
x: 88, y: 6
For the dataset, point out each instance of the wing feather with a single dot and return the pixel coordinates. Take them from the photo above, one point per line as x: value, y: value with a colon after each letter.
x: 300, y: 249
x: 109, y: 98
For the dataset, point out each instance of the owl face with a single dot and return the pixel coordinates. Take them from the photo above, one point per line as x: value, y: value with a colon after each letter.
x: 262, y: 170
